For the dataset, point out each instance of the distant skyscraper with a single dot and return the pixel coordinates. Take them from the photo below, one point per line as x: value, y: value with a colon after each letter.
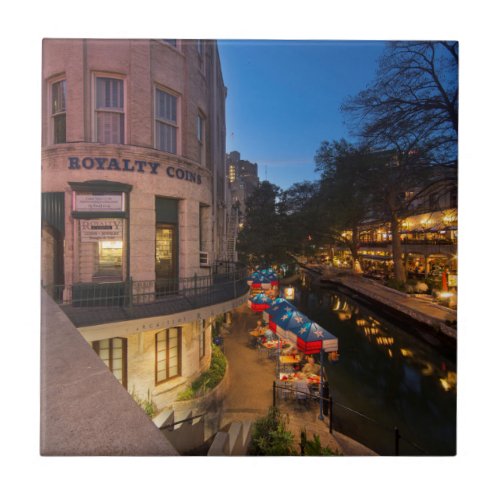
x: 243, y: 178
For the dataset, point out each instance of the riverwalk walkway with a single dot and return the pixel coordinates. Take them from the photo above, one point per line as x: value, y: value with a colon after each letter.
x: 420, y: 309
x: 250, y: 393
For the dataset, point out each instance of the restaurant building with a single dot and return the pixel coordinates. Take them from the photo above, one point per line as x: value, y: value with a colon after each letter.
x: 134, y: 203
x: 429, y: 233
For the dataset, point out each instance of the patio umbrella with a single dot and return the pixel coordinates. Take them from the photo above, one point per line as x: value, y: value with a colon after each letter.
x: 260, y: 302
x: 277, y: 309
x: 274, y: 303
x: 251, y: 279
x: 289, y: 323
x: 261, y: 281
x: 311, y: 339
x: 271, y: 278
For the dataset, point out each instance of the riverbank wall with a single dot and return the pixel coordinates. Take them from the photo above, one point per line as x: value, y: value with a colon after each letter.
x: 434, y: 318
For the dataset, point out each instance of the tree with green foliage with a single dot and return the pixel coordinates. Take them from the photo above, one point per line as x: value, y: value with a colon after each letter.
x: 300, y: 211
x: 261, y: 239
x: 343, y: 199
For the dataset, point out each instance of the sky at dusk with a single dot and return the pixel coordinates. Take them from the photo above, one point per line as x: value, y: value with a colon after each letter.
x: 284, y: 98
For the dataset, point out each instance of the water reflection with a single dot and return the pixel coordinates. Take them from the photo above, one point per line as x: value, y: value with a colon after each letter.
x: 386, y: 373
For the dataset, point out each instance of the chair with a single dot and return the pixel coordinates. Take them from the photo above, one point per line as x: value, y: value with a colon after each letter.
x: 302, y: 395
x: 284, y: 390
x: 261, y: 350
x: 252, y: 341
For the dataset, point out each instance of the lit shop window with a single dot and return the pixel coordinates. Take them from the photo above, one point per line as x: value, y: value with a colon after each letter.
x: 110, y: 258
x: 110, y: 113
x: 168, y: 354
x: 101, y: 250
x: 166, y: 121
x: 113, y: 353
x: 59, y: 111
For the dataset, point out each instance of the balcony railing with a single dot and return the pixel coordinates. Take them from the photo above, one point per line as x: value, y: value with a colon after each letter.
x: 406, y: 241
x: 93, y: 303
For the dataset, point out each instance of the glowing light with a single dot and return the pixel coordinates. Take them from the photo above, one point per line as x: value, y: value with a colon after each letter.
x: 111, y: 244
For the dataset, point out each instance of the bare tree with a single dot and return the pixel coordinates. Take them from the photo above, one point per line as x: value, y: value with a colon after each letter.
x: 409, y: 115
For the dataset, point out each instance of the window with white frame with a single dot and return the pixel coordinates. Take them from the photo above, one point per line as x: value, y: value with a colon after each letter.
x: 58, y: 111
x: 166, y: 121
x: 109, y: 110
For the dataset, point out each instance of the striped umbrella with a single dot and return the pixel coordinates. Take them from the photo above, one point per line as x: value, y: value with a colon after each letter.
x: 270, y: 276
x: 289, y: 322
x: 277, y: 309
x: 312, y: 338
x: 260, y: 302
x: 274, y: 304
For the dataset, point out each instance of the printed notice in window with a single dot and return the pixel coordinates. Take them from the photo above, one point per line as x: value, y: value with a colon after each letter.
x: 101, y: 229
x: 97, y: 202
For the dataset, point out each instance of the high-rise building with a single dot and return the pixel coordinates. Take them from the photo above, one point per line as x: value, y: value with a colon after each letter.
x: 243, y: 179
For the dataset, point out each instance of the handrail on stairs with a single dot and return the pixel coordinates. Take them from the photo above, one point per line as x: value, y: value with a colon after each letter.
x: 172, y: 425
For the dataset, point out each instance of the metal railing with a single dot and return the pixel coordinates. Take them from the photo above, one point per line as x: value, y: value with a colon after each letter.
x: 397, y: 437
x: 408, y: 241
x: 225, y: 280
x: 329, y: 407
x: 308, y: 396
x: 171, y: 427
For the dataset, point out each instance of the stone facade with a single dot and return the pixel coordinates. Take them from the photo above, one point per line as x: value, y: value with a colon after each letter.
x: 115, y: 87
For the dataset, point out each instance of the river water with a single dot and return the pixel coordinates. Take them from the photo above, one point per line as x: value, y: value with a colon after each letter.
x: 385, y: 373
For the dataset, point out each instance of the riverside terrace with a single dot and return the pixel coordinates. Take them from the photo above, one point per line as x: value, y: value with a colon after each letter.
x: 89, y: 304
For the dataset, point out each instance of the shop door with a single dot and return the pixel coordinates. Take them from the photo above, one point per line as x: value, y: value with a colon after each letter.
x: 166, y: 259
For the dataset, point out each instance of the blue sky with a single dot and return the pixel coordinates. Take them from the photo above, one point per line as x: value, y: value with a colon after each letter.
x: 284, y: 99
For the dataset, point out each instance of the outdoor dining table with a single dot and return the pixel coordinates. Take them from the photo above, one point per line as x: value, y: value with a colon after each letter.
x: 289, y: 360
x: 294, y: 377
x: 273, y: 344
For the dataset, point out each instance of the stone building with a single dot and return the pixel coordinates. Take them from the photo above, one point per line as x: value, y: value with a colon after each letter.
x: 134, y: 203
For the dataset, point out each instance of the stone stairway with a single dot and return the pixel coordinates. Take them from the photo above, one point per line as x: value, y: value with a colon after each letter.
x: 232, y: 443
x: 185, y: 436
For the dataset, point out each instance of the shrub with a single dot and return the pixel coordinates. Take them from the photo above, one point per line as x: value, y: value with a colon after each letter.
x: 313, y: 447
x: 186, y: 394
x: 397, y: 285
x: 147, y: 404
x: 270, y: 436
x: 208, y: 379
